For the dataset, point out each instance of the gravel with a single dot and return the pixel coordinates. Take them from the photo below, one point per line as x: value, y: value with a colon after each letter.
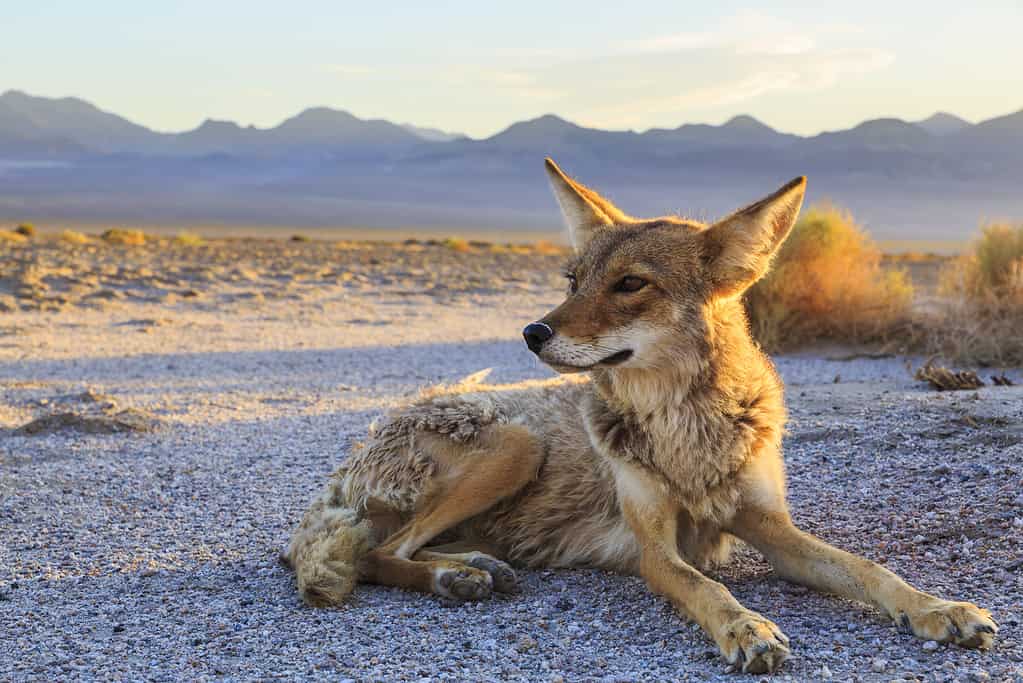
x: 152, y: 555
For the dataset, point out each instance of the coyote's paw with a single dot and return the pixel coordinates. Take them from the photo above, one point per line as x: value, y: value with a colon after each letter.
x: 753, y: 643
x: 462, y: 583
x: 962, y: 623
x: 503, y: 576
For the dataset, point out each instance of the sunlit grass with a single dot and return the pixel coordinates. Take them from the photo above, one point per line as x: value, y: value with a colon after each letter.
x: 827, y: 283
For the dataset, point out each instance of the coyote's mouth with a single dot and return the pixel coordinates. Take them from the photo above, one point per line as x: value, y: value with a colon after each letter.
x: 612, y: 360
x: 616, y: 358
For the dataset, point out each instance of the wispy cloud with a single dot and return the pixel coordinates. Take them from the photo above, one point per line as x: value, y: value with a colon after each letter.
x: 821, y: 69
x: 351, y: 69
x: 746, y: 33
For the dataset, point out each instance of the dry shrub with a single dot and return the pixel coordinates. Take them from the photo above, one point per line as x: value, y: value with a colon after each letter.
x: 943, y: 379
x: 827, y: 284
x: 548, y: 248
x: 11, y: 236
x: 74, y: 237
x: 26, y: 229
x: 189, y: 239
x: 980, y: 320
x: 457, y: 244
x: 130, y: 238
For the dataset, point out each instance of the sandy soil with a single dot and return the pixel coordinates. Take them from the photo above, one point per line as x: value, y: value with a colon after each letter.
x: 167, y: 411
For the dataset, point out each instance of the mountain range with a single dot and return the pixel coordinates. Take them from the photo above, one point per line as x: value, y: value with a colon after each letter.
x: 65, y: 159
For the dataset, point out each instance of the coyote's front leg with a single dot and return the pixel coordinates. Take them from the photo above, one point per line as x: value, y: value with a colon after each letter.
x: 802, y: 558
x: 744, y: 637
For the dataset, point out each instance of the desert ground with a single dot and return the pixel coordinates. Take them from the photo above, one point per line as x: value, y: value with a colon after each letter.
x: 167, y: 411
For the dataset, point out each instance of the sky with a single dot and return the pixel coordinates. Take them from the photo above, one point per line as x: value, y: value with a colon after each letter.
x: 476, y: 67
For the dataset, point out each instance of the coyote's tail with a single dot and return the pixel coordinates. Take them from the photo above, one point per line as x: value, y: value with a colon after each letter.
x: 326, y: 548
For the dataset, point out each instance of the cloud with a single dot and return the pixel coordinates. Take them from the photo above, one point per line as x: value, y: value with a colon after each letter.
x: 786, y: 73
x: 745, y: 33
x: 350, y: 69
x: 694, y: 74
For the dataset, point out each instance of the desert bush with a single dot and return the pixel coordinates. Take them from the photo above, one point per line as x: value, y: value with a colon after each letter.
x: 980, y: 317
x: 456, y: 244
x: 26, y: 229
x: 549, y: 248
x: 300, y: 238
x: 827, y: 283
x: 133, y: 238
x: 992, y: 271
x: 74, y: 237
x: 189, y: 239
x: 10, y: 236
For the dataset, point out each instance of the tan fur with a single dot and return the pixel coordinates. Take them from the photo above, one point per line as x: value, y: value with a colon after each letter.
x: 671, y: 449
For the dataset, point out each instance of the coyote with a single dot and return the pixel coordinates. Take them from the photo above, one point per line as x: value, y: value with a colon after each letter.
x: 669, y: 451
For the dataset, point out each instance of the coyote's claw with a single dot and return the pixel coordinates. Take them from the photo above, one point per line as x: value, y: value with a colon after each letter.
x: 754, y: 644
x: 960, y: 623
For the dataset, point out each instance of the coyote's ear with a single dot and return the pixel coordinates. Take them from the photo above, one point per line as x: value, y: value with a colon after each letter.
x: 584, y: 210
x: 738, y: 249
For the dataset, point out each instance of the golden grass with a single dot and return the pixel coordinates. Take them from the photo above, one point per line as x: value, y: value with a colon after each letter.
x: 129, y: 238
x: 74, y: 237
x: 980, y: 318
x: 548, y: 248
x: 457, y: 244
x: 189, y: 239
x: 827, y: 284
x: 540, y: 247
x: 10, y: 236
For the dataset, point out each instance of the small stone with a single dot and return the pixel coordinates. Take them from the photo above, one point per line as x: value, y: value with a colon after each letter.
x: 878, y: 665
x: 824, y: 672
x: 979, y: 676
x: 525, y: 644
x: 919, y: 539
x: 931, y: 646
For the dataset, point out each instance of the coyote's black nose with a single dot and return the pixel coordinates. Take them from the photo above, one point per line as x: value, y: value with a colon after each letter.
x: 536, y: 334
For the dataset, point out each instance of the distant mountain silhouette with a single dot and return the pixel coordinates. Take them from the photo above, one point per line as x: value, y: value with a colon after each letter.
x: 433, y: 134
x: 70, y: 119
x: 943, y: 123
x: 65, y: 158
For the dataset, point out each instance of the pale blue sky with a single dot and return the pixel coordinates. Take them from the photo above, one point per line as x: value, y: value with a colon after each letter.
x: 468, y: 66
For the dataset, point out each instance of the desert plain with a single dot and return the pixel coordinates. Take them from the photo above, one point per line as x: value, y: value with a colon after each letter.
x: 168, y: 409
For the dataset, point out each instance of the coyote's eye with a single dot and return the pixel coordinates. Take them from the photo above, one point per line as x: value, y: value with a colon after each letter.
x: 630, y: 283
x: 573, y: 284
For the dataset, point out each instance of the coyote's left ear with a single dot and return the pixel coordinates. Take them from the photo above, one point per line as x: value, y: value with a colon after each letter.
x: 738, y: 249
x: 585, y: 211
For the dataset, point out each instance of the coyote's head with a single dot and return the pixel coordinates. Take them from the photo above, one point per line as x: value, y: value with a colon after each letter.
x: 643, y: 293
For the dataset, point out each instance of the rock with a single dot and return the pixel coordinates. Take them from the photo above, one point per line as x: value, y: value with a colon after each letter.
x: 878, y: 665
x: 931, y: 646
x: 129, y: 420
x: 525, y: 644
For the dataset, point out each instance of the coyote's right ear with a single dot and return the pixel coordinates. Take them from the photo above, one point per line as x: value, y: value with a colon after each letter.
x: 584, y: 210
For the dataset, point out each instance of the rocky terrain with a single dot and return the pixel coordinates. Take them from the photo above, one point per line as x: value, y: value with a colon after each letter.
x: 168, y: 410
